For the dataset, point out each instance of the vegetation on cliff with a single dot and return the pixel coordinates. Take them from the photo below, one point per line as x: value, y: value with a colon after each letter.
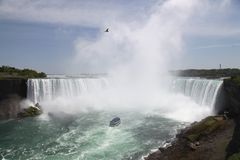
x: 12, y: 72
x: 207, y: 73
x: 203, y: 128
x: 236, y: 80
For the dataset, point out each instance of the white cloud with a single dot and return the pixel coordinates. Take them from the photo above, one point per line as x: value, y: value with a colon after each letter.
x: 101, y: 14
x: 75, y: 12
x: 42, y: 11
x: 217, y: 19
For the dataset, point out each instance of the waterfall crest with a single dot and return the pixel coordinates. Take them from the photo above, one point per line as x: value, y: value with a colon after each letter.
x: 202, y: 91
x: 48, y: 89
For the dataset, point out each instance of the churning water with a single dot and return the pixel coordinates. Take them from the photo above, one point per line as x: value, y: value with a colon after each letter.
x: 77, y: 111
x: 85, y: 137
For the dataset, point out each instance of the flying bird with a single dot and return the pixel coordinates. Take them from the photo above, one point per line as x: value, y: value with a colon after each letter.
x: 107, y: 30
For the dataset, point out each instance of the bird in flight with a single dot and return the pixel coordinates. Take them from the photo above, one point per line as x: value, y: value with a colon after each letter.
x: 107, y: 30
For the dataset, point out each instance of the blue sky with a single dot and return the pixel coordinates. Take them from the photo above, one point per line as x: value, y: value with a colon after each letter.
x: 45, y: 35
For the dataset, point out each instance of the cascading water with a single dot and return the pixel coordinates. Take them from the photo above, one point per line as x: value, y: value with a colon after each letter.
x: 48, y: 89
x: 202, y: 91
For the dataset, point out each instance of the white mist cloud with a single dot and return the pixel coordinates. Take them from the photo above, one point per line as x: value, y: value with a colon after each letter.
x: 145, y: 46
x: 137, y: 54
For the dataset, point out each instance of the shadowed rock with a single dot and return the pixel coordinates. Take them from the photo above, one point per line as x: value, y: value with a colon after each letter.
x: 31, y: 111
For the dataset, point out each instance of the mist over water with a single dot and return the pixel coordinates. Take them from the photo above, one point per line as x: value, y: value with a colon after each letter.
x: 184, y: 99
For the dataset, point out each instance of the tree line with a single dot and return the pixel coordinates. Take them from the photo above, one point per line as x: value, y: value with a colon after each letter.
x: 12, y: 72
x: 208, y: 73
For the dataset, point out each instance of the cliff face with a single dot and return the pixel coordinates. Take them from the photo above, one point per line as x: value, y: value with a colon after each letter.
x: 232, y: 91
x: 12, y: 91
x: 9, y: 87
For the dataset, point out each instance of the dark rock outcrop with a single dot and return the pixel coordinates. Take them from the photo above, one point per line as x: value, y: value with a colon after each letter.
x: 206, y: 139
x: 10, y: 87
x: 12, y: 91
x: 232, y: 89
x: 31, y: 111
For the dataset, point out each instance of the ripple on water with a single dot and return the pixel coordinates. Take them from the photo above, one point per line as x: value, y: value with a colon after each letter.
x: 86, y: 137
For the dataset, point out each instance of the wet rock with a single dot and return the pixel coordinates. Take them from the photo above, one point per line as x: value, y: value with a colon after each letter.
x: 31, y: 111
x: 210, y: 141
x: 197, y: 143
x: 38, y: 106
x: 161, y: 149
x: 192, y: 146
x: 203, y: 128
x: 220, y: 118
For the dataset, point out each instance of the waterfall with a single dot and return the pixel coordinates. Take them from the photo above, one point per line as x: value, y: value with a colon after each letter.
x: 48, y: 89
x: 202, y: 91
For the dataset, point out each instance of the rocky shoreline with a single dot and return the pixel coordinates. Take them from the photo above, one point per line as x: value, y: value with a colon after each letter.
x: 209, y: 139
x: 213, y: 138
